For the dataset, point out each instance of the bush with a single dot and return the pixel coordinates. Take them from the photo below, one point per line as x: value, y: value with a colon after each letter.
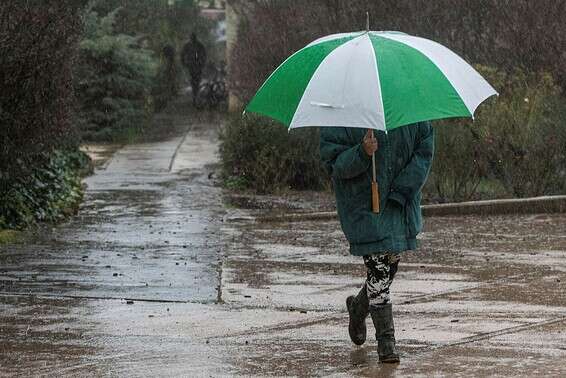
x: 260, y: 154
x: 38, y: 41
x: 115, y: 77
x: 523, y: 134
x: 530, y: 35
x: 164, y: 26
x: 457, y: 170
x: 51, y: 192
x: 39, y: 158
x: 515, y: 146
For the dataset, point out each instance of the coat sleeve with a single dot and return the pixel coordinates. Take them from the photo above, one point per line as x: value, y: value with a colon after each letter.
x: 341, y: 160
x: 413, y: 177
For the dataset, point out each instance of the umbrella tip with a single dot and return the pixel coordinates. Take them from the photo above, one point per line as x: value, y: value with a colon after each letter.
x: 367, y: 21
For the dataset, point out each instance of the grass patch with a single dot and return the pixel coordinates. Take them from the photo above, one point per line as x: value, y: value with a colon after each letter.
x: 9, y: 236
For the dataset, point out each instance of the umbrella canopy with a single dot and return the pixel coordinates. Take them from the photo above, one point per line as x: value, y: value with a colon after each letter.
x: 377, y: 80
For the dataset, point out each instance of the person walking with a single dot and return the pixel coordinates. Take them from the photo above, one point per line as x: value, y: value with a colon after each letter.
x: 403, y: 159
x: 193, y: 57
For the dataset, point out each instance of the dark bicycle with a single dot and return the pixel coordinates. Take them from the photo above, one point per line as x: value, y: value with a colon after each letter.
x: 212, y: 92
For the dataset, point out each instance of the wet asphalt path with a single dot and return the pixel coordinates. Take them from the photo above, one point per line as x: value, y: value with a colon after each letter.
x: 142, y: 233
x: 147, y: 234
x: 483, y: 296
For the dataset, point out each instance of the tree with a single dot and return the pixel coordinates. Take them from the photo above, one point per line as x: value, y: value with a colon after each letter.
x: 115, y: 78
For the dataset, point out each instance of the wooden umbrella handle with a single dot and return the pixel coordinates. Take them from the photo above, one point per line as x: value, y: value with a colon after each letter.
x: 374, y: 197
x: 374, y: 187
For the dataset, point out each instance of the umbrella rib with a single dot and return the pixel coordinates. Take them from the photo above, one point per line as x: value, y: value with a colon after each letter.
x: 374, y: 54
x: 320, y: 103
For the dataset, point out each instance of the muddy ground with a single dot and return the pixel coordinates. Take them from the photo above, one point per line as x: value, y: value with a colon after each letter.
x: 161, y: 275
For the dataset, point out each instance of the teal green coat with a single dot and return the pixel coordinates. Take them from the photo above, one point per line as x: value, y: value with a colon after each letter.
x: 403, y: 160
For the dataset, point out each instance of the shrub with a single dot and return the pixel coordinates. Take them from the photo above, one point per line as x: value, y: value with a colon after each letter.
x: 39, y: 158
x: 164, y: 26
x: 115, y: 77
x: 458, y: 168
x: 530, y: 35
x: 38, y: 41
x: 260, y: 154
x: 51, y: 192
x: 515, y: 145
x: 523, y: 134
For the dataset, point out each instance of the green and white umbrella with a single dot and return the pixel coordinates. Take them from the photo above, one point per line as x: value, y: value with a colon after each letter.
x: 373, y: 80
x: 376, y: 80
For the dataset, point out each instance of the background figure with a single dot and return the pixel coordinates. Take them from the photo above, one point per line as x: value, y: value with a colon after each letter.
x: 167, y: 85
x: 194, y: 58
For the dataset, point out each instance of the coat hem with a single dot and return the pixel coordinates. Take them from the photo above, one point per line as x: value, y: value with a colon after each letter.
x: 388, y: 245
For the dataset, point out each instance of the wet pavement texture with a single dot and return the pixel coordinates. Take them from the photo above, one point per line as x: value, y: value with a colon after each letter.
x: 156, y: 277
x: 483, y: 296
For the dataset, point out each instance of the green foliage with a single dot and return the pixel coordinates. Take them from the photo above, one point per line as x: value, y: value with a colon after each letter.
x: 161, y: 22
x: 260, y: 154
x: 51, y: 192
x: 513, y: 148
x: 524, y: 133
x: 9, y: 236
x: 503, y: 34
x: 516, y: 142
x: 164, y: 26
x: 236, y: 183
x: 457, y: 168
x: 39, y: 41
x: 115, y: 77
x: 38, y: 45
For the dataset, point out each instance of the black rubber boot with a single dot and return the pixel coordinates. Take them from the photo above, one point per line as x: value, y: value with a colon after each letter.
x: 358, y: 308
x: 382, y: 317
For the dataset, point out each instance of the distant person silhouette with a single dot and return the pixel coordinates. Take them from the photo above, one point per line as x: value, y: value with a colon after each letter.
x: 193, y: 57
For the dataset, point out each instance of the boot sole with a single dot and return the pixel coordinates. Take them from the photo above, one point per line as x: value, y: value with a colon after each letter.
x: 389, y: 360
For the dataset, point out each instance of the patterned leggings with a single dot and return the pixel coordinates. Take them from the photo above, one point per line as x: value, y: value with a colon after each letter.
x: 381, y: 270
